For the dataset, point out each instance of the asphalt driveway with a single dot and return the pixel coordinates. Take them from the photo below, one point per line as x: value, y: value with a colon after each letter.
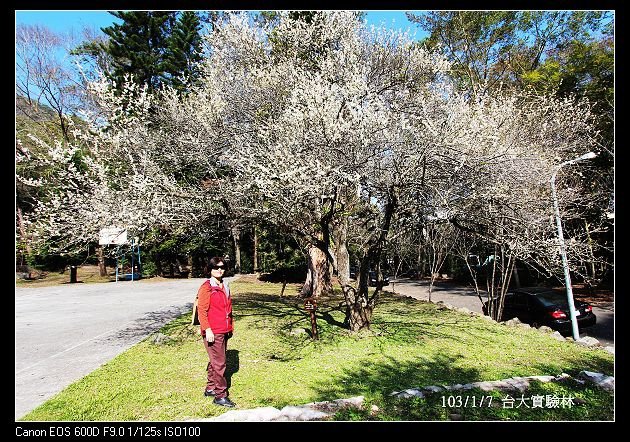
x: 461, y: 296
x: 64, y: 332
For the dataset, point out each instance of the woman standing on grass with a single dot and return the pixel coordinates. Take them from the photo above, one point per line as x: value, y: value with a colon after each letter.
x: 215, y: 319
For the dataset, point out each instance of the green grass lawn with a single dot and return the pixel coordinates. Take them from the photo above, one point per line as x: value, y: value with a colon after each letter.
x: 88, y: 274
x: 272, y: 361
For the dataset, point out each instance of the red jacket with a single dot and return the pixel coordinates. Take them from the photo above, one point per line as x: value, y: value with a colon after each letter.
x: 214, y: 307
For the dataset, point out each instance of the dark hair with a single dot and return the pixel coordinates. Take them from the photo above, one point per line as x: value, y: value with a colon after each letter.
x: 213, y: 262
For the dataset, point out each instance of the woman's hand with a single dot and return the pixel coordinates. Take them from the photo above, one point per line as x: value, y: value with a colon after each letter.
x: 209, y: 336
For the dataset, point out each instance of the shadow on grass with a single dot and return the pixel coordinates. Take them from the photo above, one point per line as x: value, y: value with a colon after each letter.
x: 232, y: 365
x: 413, y: 321
x: 289, y: 310
x: 255, y: 304
x: 598, y: 362
x: 381, y: 379
x: 149, y: 323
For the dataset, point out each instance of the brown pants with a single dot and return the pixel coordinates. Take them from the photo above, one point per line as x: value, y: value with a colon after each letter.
x: 216, y: 366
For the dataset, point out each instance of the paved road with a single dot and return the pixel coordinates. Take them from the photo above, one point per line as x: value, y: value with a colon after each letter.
x: 64, y: 332
x: 460, y: 296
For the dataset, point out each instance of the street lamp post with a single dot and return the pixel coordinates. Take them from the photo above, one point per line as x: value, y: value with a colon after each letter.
x: 563, y: 253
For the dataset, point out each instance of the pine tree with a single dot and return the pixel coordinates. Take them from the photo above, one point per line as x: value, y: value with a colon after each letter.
x: 183, y: 51
x: 138, y: 45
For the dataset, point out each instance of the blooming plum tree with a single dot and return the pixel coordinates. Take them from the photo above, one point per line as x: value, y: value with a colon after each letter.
x: 335, y: 132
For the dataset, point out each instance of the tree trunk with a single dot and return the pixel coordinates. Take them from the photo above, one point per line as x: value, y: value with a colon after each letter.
x: 102, y: 270
x: 359, y: 316
x: 340, y: 233
x: 318, y: 276
x: 255, y: 259
x: 359, y: 308
x: 359, y: 305
x: 158, y: 266
x: 236, y: 234
x: 419, y: 260
x: 517, y: 280
x: 592, y: 278
x: 190, y: 266
x: 27, y: 247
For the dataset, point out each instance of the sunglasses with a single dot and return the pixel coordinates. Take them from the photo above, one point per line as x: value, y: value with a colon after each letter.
x: 218, y: 267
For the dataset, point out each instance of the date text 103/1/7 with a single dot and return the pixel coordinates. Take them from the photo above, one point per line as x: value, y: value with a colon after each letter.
x: 466, y: 401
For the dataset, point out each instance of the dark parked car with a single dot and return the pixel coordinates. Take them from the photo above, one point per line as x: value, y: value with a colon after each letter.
x: 353, y: 272
x: 539, y: 306
x: 372, y: 276
x: 372, y: 281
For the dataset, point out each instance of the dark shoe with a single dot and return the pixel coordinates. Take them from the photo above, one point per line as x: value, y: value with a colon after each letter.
x: 224, y: 401
x: 209, y: 393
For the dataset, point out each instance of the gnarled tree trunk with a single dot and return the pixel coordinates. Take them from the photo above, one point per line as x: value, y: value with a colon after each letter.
x: 359, y: 304
x: 318, y: 275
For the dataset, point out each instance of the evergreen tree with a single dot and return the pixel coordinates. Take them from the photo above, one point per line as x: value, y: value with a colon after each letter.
x: 138, y: 45
x: 183, y: 51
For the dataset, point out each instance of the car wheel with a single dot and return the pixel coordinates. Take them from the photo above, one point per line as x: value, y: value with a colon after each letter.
x: 535, y: 324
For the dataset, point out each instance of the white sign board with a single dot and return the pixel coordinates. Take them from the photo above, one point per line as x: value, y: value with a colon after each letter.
x: 112, y: 235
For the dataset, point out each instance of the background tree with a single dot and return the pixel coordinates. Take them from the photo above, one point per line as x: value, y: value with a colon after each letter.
x: 49, y: 96
x: 586, y: 69
x: 441, y: 239
x: 494, y: 49
x: 565, y: 53
x: 138, y: 45
x: 169, y: 45
x: 42, y: 77
x: 184, y: 51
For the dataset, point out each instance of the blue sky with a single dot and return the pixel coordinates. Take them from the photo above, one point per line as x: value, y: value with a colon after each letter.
x: 74, y: 22
x: 394, y: 20
x: 66, y: 21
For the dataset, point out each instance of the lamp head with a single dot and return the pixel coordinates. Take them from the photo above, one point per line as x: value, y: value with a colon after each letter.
x: 587, y: 156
